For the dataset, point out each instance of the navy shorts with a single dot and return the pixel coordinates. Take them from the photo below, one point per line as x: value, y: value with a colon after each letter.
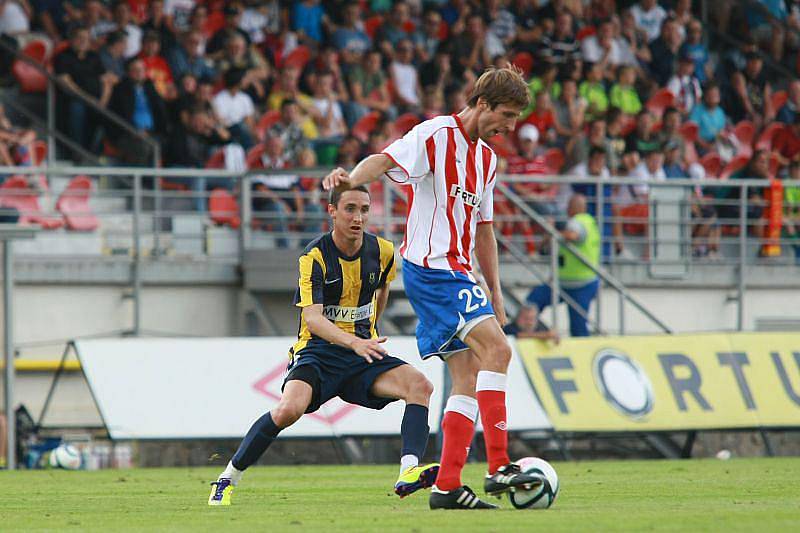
x: 332, y: 370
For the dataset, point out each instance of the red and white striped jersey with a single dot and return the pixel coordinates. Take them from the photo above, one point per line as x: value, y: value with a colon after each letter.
x: 449, y: 183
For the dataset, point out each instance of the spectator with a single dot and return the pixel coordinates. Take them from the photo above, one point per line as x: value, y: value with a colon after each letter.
x: 233, y: 20
x: 539, y: 196
x: 670, y: 124
x: 528, y: 31
x: 235, y: 108
x: 179, y: 13
x: 369, y: 88
x: 124, y: 22
x: 664, y: 52
x: 349, y: 153
x: 544, y: 82
x: 308, y: 19
x: 179, y: 107
x: 157, y: 22
x: 633, y: 41
x: 593, y: 91
x: 581, y: 144
x: 430, y: 37
x: 288, y: 88
x: 561, y: 46
x: 501, y: 31
x: 674, y: 166
x: 751, y: 93
x: 329, y: 118
x: 15, y: 18
x: 398, y: 27
x: 289, y: 129
x: 260, y: 19
x: 191, y: 145
x: 644, y: 136
x: 470, y: 49
x: 188, y: 57
x: 649, y: 18
x: 82, y: 71
x: 350, y: 34
x: 767, y: 22
x: 791, y: 108
x: 16, y: 144
x: 96, y: 19
x: 112, y: 53
x: 684, y: 86
x: 527, y: 326
x: 135, y: 100
x: 710, y: 118
x: 52, y: 17
x: 787, y: 145
x: 623, y: 93
x: 729, y: 212
x: 603, y: 48
x: 405, y: 77
x: 630, y: 201
x: 682, y: 13
x: 543, y: 117
x: 569, y: 110
x: 237, y: 54
x: 697, y: 50
x: 438, y: 70
x: 157, y: 68
x: 576, y: 280
x: 615, y: 142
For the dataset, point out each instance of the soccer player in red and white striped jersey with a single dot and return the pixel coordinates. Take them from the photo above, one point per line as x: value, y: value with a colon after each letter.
x: 451, y: 173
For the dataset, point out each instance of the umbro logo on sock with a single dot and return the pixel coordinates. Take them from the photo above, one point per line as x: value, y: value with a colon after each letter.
x: 501, y: 425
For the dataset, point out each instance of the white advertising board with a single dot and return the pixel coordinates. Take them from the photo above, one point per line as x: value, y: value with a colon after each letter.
x: 216, y: 387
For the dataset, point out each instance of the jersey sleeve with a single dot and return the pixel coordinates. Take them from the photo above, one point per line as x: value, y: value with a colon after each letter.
x: 388, y: 265
x: 486, y: 209
x: 312, y: 276
x: 413, y: 156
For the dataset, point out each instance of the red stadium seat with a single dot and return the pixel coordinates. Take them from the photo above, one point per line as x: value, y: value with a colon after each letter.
x: 586, y: 31
x: 217, y: 159
x: 74, y: 205
x: 36, y: 50
x: 524, y: 61
x: 745, y: 133
x: 628, y: 125
x: 297, y: 57
x: 778, y: 99
x: 39, y: 152
x: 372, y: 24
x: 404, y: 123
x: 774, y: 165
x: 768, y: 135
x: 29, y: 78
x: 735, y: 165
x: 690, y: 131
x: 267, y: 120
x: 661, y: 100
x: 224, y: 209
x: 253, y: 158
x: 712, y: 163
x: 16, y: 193
x: 365, y: 125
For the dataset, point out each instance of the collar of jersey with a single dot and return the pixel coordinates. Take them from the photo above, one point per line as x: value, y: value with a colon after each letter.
x: 339, y: 252
x: 463, y: 131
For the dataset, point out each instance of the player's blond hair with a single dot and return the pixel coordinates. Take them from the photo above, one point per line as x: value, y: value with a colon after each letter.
x: 501, y: 86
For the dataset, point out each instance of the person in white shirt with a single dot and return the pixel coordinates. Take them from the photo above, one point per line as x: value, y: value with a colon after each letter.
x: 328, y: 116
x: 605, y: 49
x: 133, y: 33
x: 405, y: 77
x: 684, y: 85
x: 14, y: 18
x: 649, y: 16
x: 235, y: 108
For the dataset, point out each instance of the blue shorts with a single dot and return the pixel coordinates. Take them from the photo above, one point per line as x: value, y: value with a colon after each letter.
x: 444, y: 302
x: 332, y: 370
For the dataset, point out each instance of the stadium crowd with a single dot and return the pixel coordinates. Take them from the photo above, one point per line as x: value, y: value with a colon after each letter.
x: 626, y: 88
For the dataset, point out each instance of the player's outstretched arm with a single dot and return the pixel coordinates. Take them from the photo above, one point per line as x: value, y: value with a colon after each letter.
x: 368, y: 170
x: 320, y: 326
x: 486, y: 253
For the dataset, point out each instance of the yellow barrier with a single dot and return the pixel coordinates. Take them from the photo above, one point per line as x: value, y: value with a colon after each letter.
x: 676, y: 382
x: 36, y: 365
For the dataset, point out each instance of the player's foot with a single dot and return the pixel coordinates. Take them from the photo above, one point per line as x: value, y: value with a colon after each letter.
x: 221, y: 491
x: 460, y: 498
x: 415, y: 478
x: 509, y: 477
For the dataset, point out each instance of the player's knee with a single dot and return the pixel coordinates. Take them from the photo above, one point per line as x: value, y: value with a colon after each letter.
x: 500, y: 354
x: 285, y: 414
x: 418, y: 389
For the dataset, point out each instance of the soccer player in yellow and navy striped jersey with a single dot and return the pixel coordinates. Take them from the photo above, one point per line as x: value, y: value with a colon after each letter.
x: 342, y: 289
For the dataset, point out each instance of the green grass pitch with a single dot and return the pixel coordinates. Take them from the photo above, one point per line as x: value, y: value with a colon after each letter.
x: 693, y: 495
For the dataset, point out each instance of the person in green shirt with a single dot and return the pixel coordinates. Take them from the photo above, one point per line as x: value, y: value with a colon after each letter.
x: 546, y: 81
x: 576, y: 279
x: 623, y: 93
x: 594, y: 92
x: 791, y: 208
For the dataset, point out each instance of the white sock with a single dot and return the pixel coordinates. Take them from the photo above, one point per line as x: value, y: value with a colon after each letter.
x: 407, y: 461
x: 232, y: 473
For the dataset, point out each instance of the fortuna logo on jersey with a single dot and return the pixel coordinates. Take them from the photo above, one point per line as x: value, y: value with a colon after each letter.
x: 469, y: 198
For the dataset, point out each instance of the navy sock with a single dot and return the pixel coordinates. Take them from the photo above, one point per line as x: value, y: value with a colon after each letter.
x: 414, y: 430
x: 255, y: 443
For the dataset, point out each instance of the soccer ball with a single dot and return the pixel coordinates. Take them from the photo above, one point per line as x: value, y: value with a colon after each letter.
x: 66, y: 456
x: 541, y: 497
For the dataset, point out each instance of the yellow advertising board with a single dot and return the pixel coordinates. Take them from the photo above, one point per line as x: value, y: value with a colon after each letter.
x: 667, y: 382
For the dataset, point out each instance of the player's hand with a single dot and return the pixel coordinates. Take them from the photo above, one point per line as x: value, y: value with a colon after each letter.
x: 338, y: 177
x: 499, y: 308
x: 370, y: 349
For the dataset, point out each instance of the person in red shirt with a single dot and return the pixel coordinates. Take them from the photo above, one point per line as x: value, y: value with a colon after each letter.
x: 787, y: 143
x: 543, y: 118
x: 158, y: 70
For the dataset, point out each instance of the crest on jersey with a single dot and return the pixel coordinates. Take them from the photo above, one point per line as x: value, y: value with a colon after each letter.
x: 372, y: 278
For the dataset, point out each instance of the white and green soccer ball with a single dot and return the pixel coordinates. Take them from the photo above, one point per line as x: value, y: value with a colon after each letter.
x: 66, y: 456
x: 541, y: 497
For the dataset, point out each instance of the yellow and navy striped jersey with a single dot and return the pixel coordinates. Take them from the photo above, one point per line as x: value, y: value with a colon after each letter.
x: 345, y: 286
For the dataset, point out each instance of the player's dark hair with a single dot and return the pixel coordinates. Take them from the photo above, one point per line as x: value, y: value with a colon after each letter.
x: 501, y: 86
x: 336, y: 194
